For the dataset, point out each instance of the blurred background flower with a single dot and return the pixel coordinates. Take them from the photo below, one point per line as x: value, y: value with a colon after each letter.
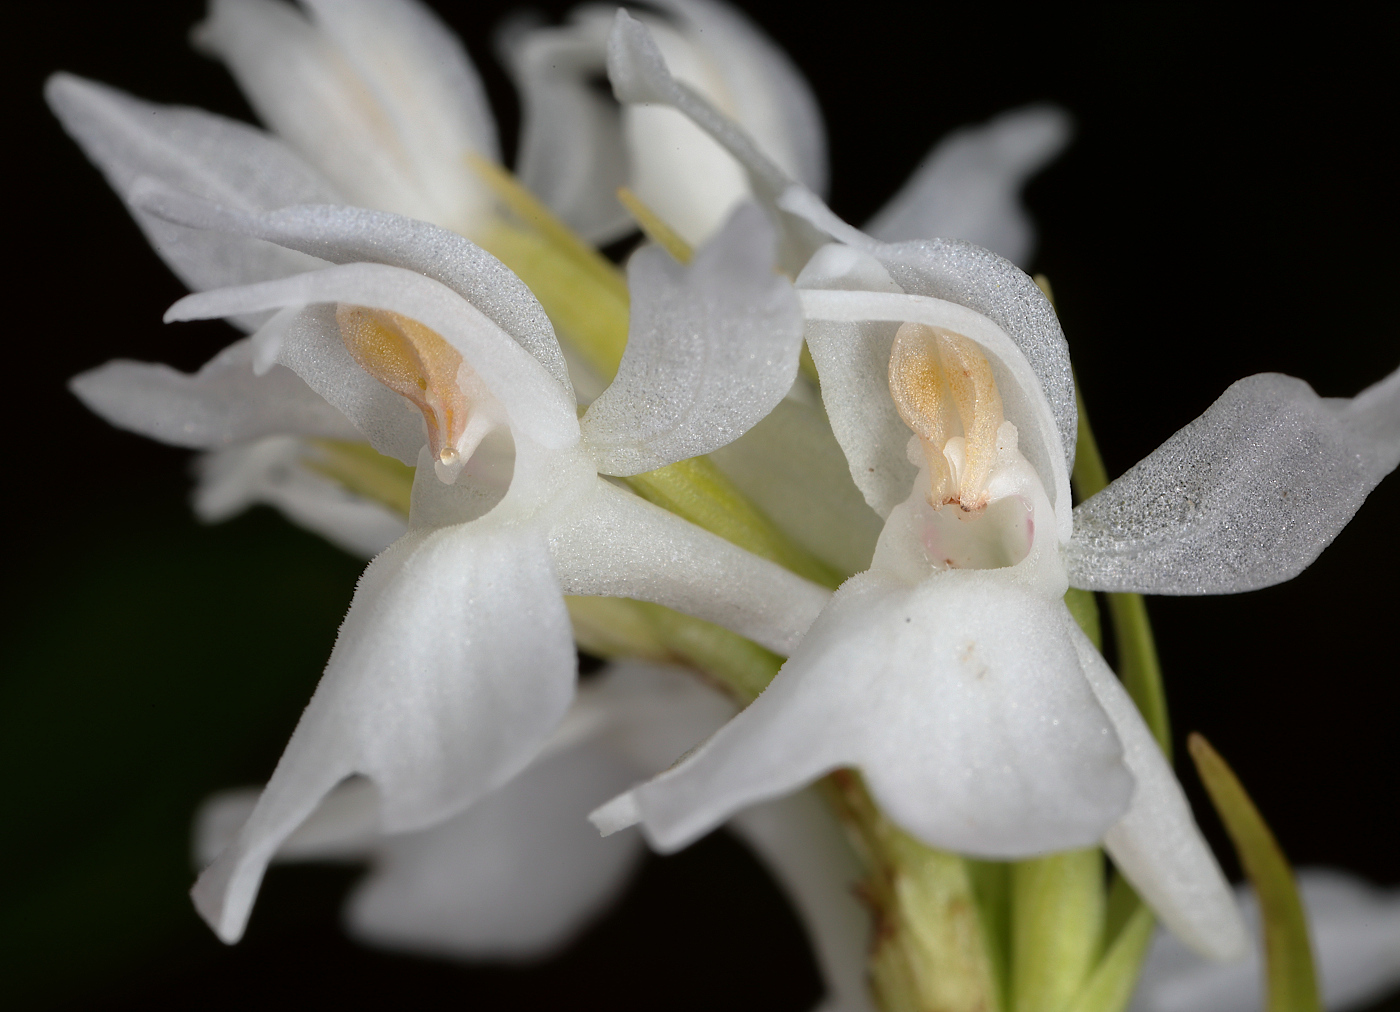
x: 1222, y: 211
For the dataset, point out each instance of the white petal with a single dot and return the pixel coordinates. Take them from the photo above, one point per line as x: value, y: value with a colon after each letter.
x: 711, y: 349
x: 353, y: 234
x: 806, y: 850
x: 639, y: 76
x: 216, y: 158
x: 961, y: 701
x: 571, y: 155
x: 222, y: 404
x: 1245, y: 496
x: 852, y: 355
x: 1355, y: 931
x: 793, y: 469
x: 352, y: 112
x: 272, y: 472
x: 969, y: 185
x: 770, y: 98
x: 611, y: 543
x: 538, y: 406
x: 1157, y: 845
x: 677, y: 166
x: 424, y: 83
x: 517, y: 876
x: 452, y: 667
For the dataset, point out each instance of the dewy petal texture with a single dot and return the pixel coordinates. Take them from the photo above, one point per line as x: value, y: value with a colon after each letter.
x: 1157, y: 844
x: 1355, y: 930
x: 1246, y: 496
x: 344, y: 235
x: 712, y: 347
x: 968, y: 187
x: 222, y: 404
x: 450, y: 671
x: 381, y: 99
x: 961, y: 700
x: 212, y: 157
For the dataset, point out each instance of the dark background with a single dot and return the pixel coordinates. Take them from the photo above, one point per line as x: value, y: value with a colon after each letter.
x: 1225, y: 210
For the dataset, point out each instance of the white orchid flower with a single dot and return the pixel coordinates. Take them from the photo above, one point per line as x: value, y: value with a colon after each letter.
x: 456, y: 660
x: 519, y: 875
x: 950, y: 672
x: 1355, y: 930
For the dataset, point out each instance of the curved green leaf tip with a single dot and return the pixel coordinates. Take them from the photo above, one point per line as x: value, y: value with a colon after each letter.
x: 1291, y: 978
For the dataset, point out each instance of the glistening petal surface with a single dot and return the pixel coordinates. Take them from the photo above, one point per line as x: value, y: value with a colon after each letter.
x: 1245, y: 496
x: 711, y: 348
x: 969, y: 185
x: 452, y: 667
x: 960, y: 699
x: 344, y: 235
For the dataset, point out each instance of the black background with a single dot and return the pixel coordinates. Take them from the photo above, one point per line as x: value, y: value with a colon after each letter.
x: 1224, y: 210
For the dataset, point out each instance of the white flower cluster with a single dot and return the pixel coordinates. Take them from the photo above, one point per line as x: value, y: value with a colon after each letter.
x: 448, y: 739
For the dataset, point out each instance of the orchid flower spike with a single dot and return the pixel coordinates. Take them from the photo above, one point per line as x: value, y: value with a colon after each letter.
x: 519, y: 875
x: 456, y: 661
x: 950, y: 672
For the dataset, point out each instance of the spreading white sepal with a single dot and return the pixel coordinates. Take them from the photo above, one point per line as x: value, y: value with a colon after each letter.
x: 1355, y: 931
x: 380, y: 97
x: 273, y: 472
x: 969, y: 186
x: 1157, y: 845
x: 957, y: 692
x: 712, y: 347
x: 223, y: 404
x: 1245, y: 496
